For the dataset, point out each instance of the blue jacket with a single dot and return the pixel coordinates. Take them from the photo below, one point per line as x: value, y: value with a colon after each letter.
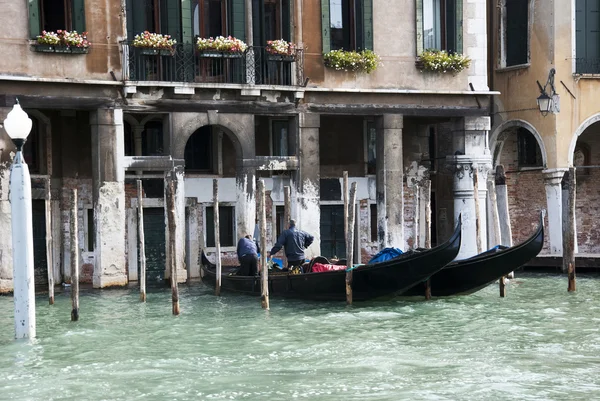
x: 295, y: 242
x: 247, y: 246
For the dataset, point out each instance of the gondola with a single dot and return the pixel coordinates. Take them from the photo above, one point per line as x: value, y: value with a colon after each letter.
x: 369, y: 281
x: 464, y: 277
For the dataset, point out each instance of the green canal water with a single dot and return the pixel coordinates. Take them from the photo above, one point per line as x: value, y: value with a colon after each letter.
x: 539, y: 343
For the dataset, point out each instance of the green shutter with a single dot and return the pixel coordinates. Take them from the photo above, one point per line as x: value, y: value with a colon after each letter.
x: 459, y: 26
x: 136, y: 18
x: 368, y: 24
x: 79, y: 15
x: 238, y: 19
x: 419, y: 23
x: 325, y: 26
x: 186, y: 21
x: 34, y: 19
x: 129, y: 17
x: 171, y: 18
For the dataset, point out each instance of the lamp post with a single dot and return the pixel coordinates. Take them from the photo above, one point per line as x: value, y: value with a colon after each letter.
x: 18, y: 125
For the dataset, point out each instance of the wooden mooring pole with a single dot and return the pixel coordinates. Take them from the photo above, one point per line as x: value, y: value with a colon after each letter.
x: 477, y: 211
x: 345, y: 199
x: 496, y: 237
x: 49, y: 259
x: 417, y: 223
x: 350, y: 243
x: 287, y: 214
x: 503, y: 213
x: 141, y: 243
x: 427, y: 201
x: 264, y: 269
x: 569, y: 186
x: 74, y: 259
x: 172, y: 250
x: 217, y: 235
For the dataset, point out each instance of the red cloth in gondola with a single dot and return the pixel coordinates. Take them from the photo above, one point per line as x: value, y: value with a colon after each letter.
x: 320, y: 267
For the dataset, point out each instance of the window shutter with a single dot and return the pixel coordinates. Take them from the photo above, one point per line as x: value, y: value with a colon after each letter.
x: 459, y: 26
x: 579, y: 30
x: 136, y: 18
x: 34, y: 19
x: 325, y: 26
x: 171, y: 19
x: 79, y: 16
x: 592, y: 31
x: 238, y: 19
x: 368, y: 24
x: 129, y: 17
x: 286, y: 20
x: 419, y: 24
x: 186, y: 21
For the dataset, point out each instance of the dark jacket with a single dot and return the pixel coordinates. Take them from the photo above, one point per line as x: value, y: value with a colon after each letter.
x: 295, y: 242
x: 247, y: 246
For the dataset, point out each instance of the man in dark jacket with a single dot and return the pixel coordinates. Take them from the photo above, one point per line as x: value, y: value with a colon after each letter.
x: 294, y: 242
x: 247, y: 251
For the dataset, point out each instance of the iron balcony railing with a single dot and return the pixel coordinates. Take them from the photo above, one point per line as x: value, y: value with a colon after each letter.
x: 185, y: 64
x: 587, y: 66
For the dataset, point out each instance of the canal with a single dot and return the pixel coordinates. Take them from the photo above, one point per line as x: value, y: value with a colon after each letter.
x: 539, y: 343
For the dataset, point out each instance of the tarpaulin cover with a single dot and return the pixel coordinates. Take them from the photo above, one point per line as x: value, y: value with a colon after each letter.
x: 319, y: 267
x: 385, y: 254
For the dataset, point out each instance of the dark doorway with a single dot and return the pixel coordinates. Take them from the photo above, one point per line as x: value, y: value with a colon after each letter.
x: 154, y: 241
x: 40, y: 270
x: 333, y: 242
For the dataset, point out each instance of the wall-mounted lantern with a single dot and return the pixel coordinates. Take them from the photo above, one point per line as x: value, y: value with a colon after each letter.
x: 548, y: 103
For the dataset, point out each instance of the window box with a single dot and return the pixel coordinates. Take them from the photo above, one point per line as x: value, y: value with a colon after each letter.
x: 42, y: 48
x: 147, y: 51
x: 281, y: 57
x: 218, y: 54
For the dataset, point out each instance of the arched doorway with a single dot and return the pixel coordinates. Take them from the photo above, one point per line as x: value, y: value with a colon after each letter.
x: 210, y: 151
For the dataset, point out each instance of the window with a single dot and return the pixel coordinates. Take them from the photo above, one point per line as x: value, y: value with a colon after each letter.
x: 279, y: 221
x: 210, y: 18
x: 439, y: 25
x: 32, y: 150
x: 587, y: 36
x: 226, y: 226
x: 279, y: 132
x: 160, y: 16
x: 529, y: 152
x: 199, y: 150
x: 515, y: 35
x: 91, y: 231
x: 152, y: 139
x: 373, y: 218
x: 347, y: 24
x: 52, y: 15
x: 371, y: 148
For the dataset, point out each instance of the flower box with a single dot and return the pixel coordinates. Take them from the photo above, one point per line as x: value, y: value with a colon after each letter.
x: 218, y: 54
x: 62, y: 41
x: 281, y: 57
x: 147, y: 51
x: 42, y: 48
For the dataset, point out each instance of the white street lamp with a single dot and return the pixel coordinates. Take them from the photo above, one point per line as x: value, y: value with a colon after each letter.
x: 18, y: 125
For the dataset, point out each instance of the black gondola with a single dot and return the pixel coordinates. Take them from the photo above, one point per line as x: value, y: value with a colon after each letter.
x: 464, y: 277
x: 368, y: 282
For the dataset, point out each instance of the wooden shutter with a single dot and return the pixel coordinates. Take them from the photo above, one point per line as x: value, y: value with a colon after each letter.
x: 459, y: 26
x: 186, y: 21
x: 286, y: 20
x: 587, y: 35
x: 368, y: 24
x: 78, y: 16
x: 34, y: 18
x: 171, y: 18
x: 238, y: 19
x: 419, y: 25
x: 136, y: 18
x: 325, y: 26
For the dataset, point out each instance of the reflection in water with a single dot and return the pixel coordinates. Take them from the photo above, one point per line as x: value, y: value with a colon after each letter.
x: 538, y: 343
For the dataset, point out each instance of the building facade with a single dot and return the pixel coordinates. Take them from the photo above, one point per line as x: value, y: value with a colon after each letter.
x: 115, y: 113
x: 552, y: 47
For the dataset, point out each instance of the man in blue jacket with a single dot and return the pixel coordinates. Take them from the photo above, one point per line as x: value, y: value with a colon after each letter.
x: 294, y: 242
x: 247, y: 251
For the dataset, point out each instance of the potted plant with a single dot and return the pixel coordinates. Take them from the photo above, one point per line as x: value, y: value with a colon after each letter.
x: 220, y: 47
x: 441, y: 61
x: 281, y: 50
x: 154, y: 44
x: 365, y: 61
x: 62, y: 42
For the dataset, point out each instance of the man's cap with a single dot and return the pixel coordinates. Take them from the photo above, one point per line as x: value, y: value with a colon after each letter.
x: 292, y: 222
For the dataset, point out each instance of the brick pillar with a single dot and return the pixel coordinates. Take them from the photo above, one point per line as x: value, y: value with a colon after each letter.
x: 308, y: 209
x: 7, y: 150
x: 470, y: 140
x: 109, y: 197
x: 390, y: 187
x: 552, y: 182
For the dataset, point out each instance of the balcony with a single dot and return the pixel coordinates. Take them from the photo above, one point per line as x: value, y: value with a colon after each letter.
x: 185, y: 64
x: 587, y: 66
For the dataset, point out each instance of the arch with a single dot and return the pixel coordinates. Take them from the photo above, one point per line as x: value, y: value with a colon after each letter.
x: 517, y: 123
x: 130, y: 119
x: 44, y: 127
x: 580, y: 130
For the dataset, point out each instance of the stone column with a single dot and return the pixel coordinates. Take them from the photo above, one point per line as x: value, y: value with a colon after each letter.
x: 390, y: 187
x: 109, y: 197
x: 308, y: 208
x: 471, y: 146
x: 7, y: 151
x: 245, y: 211
x: 552, y: 182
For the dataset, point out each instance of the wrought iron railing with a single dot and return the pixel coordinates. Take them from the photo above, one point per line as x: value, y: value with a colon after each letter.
x: 587, y: 66
x: 185, y: 64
